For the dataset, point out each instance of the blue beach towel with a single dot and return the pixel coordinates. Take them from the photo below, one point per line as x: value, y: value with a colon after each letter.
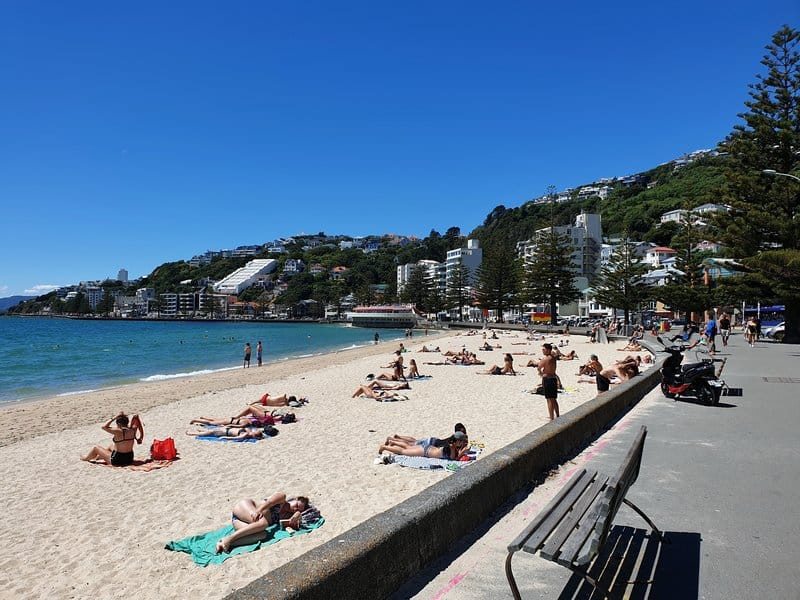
x: 421, y: 462
x: 211, y: 438
x: 202, y: 547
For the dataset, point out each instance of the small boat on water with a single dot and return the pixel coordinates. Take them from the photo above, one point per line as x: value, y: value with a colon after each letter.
x: 383, y: 316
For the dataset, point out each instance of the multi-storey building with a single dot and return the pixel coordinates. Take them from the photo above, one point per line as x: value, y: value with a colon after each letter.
x: 471, y: 256
x: 434, y: 272
x: 246, y: 276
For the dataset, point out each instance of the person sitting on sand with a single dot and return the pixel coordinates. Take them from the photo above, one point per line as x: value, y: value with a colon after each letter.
x: 451, y: 448
x: 507, y: 368
x: 124, y: 433
x: 251, y: 520
x: 229, y: 433
x: 593, y: 367
x: 413, y: 371
x: 407, y: 440
x: 397, y: 366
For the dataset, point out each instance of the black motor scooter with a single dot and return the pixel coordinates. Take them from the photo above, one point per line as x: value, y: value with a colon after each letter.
x: 697, y: 380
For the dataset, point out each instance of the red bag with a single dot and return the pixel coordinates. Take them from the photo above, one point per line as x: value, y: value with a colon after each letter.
x: 163, y: 449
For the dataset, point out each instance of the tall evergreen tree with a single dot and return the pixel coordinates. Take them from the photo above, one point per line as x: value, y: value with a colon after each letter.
x: 550, y: 274
x: 764, y: 228
x: 417, y: 289
x: 620, y: 283
x: 458, y: 289
x: 498, y: 277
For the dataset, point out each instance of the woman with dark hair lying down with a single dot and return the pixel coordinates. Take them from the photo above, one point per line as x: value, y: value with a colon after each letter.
x: 250, y: 520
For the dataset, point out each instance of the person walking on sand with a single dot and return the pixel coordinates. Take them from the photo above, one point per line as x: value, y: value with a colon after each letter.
x: 247, y: 351
x: 259, y: 351
x: 547, y: 369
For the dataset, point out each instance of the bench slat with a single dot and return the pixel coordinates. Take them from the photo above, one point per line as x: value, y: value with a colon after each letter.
x: 537, y: 538
x: 567, y: 526
x: 518, y: 541
x: 589, y: 524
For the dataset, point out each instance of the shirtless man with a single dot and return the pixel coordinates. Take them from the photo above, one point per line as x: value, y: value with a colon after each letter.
x: 547, y: 369
x: 591, y: 367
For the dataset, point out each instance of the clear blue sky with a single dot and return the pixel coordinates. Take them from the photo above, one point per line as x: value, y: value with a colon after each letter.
x: 135, y: 134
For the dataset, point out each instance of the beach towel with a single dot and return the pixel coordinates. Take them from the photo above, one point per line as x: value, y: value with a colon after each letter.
x: 421, y: 462
x: 202, y: 547
x: 211, y: 438
x: 142, y: 465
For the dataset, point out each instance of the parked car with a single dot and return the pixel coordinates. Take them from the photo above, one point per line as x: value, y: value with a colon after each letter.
x: 775, y: 332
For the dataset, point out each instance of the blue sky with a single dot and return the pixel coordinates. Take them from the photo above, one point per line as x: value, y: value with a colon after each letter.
x: 135, y: 134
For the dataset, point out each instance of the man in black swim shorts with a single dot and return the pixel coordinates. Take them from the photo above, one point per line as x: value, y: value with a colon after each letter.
x: 547, y: 369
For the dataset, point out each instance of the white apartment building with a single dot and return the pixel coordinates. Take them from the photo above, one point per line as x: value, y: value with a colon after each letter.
x: 435, y: 272
x: 246, y: 276
x: 587, y: 241
x: 470, y: 256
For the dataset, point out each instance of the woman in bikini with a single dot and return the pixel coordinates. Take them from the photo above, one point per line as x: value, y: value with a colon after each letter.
x: 259, y: 408
x: 451, y: 448
x: 229, y: 433
x: 124, y: 433
x: 250, y: 520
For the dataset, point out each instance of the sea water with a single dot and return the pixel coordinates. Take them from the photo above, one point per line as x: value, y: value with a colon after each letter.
x: 51, y: 356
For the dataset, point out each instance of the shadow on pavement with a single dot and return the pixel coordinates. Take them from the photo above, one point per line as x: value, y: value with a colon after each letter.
x: 635, y: 565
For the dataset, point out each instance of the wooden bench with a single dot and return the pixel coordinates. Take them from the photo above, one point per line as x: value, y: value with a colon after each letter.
x: 573, y: 527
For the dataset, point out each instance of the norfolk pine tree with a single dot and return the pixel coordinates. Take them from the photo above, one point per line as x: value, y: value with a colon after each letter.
x: 764, y: 227
x: 619, y: 284
x: 549, y: 275
x: 498, y: 277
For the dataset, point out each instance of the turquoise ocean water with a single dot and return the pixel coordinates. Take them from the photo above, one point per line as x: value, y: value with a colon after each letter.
x: 45, y: 357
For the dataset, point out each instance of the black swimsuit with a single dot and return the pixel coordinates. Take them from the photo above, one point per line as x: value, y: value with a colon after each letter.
x: 122, y: 459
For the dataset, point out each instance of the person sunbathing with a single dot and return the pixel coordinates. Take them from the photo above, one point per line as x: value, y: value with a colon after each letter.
x: 282, y: 400
x: 407, y: 440
x: 228, y: 433
x: 377, y: 392
x: 451, y: 448
x: 249, y: 420
x: 426, y: 349
x: 124, y: 432
x: 250, y: 520
x: 632, y: 346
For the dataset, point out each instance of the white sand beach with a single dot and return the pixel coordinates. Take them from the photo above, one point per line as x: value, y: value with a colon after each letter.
x: 69, y: 529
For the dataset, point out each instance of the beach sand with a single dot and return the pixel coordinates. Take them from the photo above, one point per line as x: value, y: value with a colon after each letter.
x: 69, y: 529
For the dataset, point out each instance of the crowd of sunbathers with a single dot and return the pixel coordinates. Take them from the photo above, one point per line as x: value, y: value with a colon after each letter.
x: 621, y: 370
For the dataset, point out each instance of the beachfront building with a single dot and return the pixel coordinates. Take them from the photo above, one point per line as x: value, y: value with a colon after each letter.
x: 435, y: 274
x: 587, y: 244
x: 94, y: 294
x: 246, y: 276
x: 470, y: 256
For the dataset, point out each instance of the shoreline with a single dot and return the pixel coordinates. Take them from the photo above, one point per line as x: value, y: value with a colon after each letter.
x: 92, y: 406
x: 87, y: 514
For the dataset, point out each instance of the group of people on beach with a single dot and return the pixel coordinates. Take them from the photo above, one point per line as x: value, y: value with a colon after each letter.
x: 452, y: 447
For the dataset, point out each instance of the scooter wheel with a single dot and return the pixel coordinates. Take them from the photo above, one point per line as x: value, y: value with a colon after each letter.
x: 705, y: 394
x: 665, y: 390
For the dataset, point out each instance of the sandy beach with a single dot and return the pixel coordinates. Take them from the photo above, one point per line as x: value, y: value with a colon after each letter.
x: 70, y: 529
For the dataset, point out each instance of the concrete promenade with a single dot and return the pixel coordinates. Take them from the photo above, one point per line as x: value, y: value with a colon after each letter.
x: 722, y: 482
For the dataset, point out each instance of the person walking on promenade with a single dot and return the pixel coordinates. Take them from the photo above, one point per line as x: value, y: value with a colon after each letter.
x: 259, y: 352
x: 725, y: 328
x: 547, y: 369
x: 247, y: 352
x: 711, y: 334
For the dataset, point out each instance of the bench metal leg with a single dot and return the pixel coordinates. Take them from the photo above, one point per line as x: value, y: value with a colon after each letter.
x: 510, y: 576
x: 592, y: 581
x: 640, y: 512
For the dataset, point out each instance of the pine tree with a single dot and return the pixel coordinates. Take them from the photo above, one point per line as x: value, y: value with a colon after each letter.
x: 620, y: 283
x: 498, y: 277
x: 764, y: 227
x: 550, y: 274
x: 458, y: 289
x: 416, y: 290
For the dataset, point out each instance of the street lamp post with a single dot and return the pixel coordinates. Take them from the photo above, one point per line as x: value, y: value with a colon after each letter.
x: 778, y: 174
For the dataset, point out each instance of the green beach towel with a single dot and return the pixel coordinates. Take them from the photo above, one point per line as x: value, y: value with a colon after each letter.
x: 201, y: 547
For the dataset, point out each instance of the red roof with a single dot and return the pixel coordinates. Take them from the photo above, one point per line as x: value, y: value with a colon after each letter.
x: 661, y: 249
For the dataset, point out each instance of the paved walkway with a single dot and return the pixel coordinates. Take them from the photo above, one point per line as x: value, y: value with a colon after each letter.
x: 723, y: 483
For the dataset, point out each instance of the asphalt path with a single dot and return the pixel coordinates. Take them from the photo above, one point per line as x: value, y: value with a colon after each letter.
x: 722, y: 482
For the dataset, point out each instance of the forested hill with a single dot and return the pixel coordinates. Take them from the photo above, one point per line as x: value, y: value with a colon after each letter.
x: 634, y: 208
